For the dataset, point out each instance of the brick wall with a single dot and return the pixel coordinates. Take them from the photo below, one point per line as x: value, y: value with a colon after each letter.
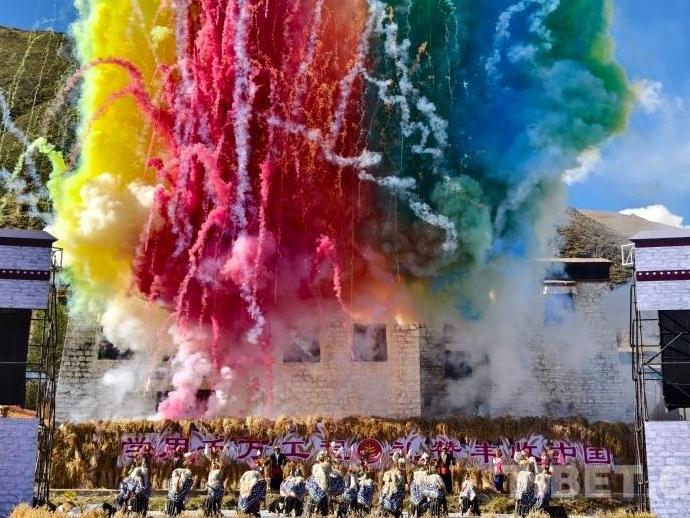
x: 560, y: 371
x: 663, y: 295
x: 24, y: 294
x: 668, y: 462
x: 338, y: 386
x: 411, y: 382
x: 587, y: 375
x: 662, y: 258
x: 21, y: 294
x: 17, y: 462
x: 81, y: 394
x: 25, y: 257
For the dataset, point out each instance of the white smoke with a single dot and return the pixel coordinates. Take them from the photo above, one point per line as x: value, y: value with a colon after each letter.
x: 649, y: 95
x: 588, y: 161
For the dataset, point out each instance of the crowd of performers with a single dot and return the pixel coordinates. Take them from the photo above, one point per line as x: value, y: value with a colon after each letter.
x: 339, y: 488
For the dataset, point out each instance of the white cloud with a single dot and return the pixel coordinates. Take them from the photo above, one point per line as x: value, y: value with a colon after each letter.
x: 588, y: 160
x: 649, y: 95
x: 657, y: 213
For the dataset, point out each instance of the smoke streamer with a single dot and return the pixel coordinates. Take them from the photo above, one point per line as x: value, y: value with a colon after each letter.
x: 245, y: 164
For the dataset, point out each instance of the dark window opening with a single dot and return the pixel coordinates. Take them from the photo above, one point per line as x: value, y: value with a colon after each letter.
x: 160, y: 396
x: 203, y: 395
x: 457, y: 366
x: 369, y: 343
x: 302, y: 350
x: 107, y: 351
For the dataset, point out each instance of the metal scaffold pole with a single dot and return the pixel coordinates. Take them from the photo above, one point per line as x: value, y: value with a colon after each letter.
x: 44, y: 374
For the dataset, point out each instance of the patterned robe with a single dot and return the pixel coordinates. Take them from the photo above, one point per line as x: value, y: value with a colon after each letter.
x: 252, y: 492
x: 179, y: 486
x: 393, y: 490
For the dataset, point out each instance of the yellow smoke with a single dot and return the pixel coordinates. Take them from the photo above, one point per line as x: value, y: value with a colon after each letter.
x: 102, y: 206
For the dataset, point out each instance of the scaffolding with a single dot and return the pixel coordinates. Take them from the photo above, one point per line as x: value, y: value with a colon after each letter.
x: 650, y: 337
x: 41, y: 375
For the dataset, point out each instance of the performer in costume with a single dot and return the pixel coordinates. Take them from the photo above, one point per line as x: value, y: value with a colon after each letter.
x: 417, y: 499
x: 444, y: 464
x: 524, y: 483
x: 214, y: 490
x: 134, y: 492
x: 178, y: 457
x: 469, y: 499
x: 499, y: 470
x: 318, y: 484
x: 292, y: 490
x: 336, y: 480
x: 545, y: 461
x: 252, y: 492
x: 348, y: 500
x: 393, y: 489
x: 276, y: 463
x: 179, y: 486
x: 542, y: 496
x: 365, y: 494
x: 435, y: 492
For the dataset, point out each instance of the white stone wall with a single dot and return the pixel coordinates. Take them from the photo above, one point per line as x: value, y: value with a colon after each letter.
x: 337, y: 386
x: 571, y: 369
x: 662, y: 258
x: 334, y: 386
x: 17, y: 462
x: 25, y: 257
x: 663, y: 295
x: 81, y: 394
x: 668, y: 463
x: 23, y: 294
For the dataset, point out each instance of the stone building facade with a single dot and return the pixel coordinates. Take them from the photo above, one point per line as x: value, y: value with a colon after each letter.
x: 83, y: 392
x: 668, y: 465
x: 569, y: 355
x: 25, y: 268
x: 594, y: 381
x: 335, y: 385
x: 423, y: 371
x: 662, y: 264
x: 17, y: 462
x: 340, y: 386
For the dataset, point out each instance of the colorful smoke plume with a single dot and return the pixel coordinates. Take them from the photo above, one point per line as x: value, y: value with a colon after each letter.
x: 249, y: 168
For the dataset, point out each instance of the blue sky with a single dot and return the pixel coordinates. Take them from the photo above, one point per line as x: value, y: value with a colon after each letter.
x: 648, y: 165
x: 41, y: 14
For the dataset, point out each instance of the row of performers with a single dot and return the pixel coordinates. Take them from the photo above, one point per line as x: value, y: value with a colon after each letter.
x: 332, y: 488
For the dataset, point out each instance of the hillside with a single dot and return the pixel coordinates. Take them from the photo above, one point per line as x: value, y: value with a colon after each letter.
x: 624, y: 224
x: 586, y: 237
x: 35, y: 66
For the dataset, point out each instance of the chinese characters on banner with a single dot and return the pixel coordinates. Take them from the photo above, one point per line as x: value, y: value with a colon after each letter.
x: 371, y: 450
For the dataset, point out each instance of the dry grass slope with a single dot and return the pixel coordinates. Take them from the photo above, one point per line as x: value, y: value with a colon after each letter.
x: 35, y: 66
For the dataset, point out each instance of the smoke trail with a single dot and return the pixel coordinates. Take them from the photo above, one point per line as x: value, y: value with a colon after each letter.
x: 329, y: 165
